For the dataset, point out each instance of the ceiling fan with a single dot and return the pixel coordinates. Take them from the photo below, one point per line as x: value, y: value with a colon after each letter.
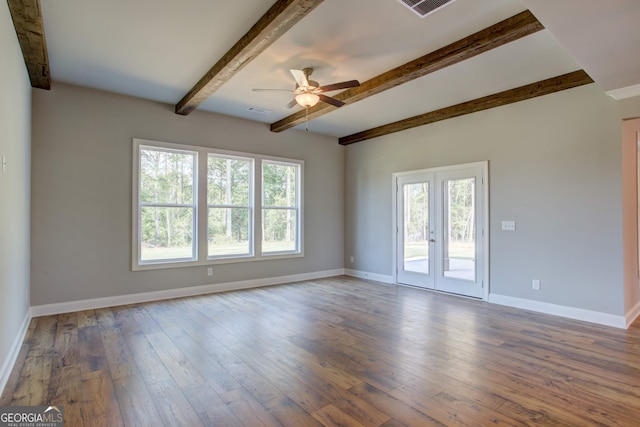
x: 308, y: 92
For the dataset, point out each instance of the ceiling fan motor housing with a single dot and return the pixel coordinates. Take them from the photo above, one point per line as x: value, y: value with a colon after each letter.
x: 312, y: 85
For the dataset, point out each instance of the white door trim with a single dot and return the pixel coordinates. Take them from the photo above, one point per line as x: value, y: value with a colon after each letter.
x: 483, y: 235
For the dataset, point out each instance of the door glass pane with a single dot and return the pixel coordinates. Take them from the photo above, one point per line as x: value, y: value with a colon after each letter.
x: 459, y: 245
x: 416, y: 227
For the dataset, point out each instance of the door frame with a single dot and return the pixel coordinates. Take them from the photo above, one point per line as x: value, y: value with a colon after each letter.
x: 631, y: 213
x: 484, y: 166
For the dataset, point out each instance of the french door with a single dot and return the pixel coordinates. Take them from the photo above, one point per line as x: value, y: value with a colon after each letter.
x: 440, y: 229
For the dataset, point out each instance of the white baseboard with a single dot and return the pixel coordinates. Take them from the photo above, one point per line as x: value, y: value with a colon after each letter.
x: 632, y: 315
x: 14, y: 351
x: 606, y: 319
x: 88, y: 304
x: 561, y: 310
x: 369, y: 276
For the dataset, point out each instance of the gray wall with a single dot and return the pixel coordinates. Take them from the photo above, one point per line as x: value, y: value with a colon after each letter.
x: 15, y: 144
x: 81, y: 223
x: 554, y: 167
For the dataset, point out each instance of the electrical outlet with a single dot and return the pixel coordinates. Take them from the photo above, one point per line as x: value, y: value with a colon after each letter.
x: 351, y: 259
x: 209, y: 271
x: 535, y: 284
x: 508, y: 226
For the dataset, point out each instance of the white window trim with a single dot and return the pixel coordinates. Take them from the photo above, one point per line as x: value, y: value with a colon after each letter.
x: 297, y: 210
x: 251, y: 208
x: 137, y: 207
x: 200, y: 236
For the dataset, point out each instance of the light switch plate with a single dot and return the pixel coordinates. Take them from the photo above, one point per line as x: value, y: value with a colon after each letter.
x: 508, y: 226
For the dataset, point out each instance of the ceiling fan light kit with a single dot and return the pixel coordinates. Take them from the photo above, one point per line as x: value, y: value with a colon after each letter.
x: 307, y: 99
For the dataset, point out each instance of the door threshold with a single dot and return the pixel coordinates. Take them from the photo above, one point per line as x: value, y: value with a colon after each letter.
x: 440, y: 292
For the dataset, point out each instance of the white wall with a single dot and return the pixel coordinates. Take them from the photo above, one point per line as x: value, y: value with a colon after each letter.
x: 15, y: 135
x: 81, y: 222
x: 554, y: 167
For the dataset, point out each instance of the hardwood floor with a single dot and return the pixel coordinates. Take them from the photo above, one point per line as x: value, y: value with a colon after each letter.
x: 333, y: 352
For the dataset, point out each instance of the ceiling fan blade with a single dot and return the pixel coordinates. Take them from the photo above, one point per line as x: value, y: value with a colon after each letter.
x: 290, y: 105
x: 301, y: 79
x: 336, y: 86
x: 329, y: 100
x: 271, y: 90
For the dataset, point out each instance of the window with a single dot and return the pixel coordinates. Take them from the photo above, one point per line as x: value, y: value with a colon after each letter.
x: 229, y: 189
x: 279, y: 207
x: 198, y: 206
x: 167, y: 208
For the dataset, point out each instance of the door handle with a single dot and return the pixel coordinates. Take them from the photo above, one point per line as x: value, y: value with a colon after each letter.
x: 432, y: 240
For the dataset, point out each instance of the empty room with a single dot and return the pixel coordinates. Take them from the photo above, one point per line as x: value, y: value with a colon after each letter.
x: 319, y: 213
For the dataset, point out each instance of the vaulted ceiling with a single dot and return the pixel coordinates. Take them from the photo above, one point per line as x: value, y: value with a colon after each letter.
x: 209, y: 54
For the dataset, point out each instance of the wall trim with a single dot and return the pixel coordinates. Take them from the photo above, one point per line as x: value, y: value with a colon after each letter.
x: 88, y: 304
x: 369, y: 276
x: 14, y: 351
x: 632, y: 315
x: 598, y: 317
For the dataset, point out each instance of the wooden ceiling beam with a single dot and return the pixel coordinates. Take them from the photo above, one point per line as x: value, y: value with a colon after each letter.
x: 283, y: 15
x: 27, y: 21
x: 503, y: 32
x: 544, y: 87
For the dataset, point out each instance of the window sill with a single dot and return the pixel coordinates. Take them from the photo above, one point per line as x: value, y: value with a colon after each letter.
x: 216, y: 261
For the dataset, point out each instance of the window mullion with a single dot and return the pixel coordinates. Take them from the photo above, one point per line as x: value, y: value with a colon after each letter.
x: 202, y: 211
x: 293, y: 208
x: 257, y: 211
x: 166, y: 205
x: 213, y: 205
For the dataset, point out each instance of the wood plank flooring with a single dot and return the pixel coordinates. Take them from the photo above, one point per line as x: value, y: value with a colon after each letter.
x: 332, y: 352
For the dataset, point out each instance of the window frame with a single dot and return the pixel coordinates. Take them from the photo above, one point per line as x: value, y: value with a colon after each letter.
x: 141, y: 205
x: 297, y: 208
x: 202, y: 207
x: 251, y: 206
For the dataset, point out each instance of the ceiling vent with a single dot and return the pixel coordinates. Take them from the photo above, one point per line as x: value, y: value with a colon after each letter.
x: 258, y: 110
x: 423, y: 8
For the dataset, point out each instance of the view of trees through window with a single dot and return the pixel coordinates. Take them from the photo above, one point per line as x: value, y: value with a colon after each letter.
x: 460, y: 219
x: 459, y: 222
x: 279, y: 204
x: 229, y: 199
x: 416, y: 223
x: 167, y: 205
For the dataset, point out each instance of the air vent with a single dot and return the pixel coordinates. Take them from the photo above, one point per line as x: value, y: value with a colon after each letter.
x: 258, y: 110
x: 423, y: 8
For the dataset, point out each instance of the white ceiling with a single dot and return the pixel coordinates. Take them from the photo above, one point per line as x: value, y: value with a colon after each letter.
x: 158, y: 49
